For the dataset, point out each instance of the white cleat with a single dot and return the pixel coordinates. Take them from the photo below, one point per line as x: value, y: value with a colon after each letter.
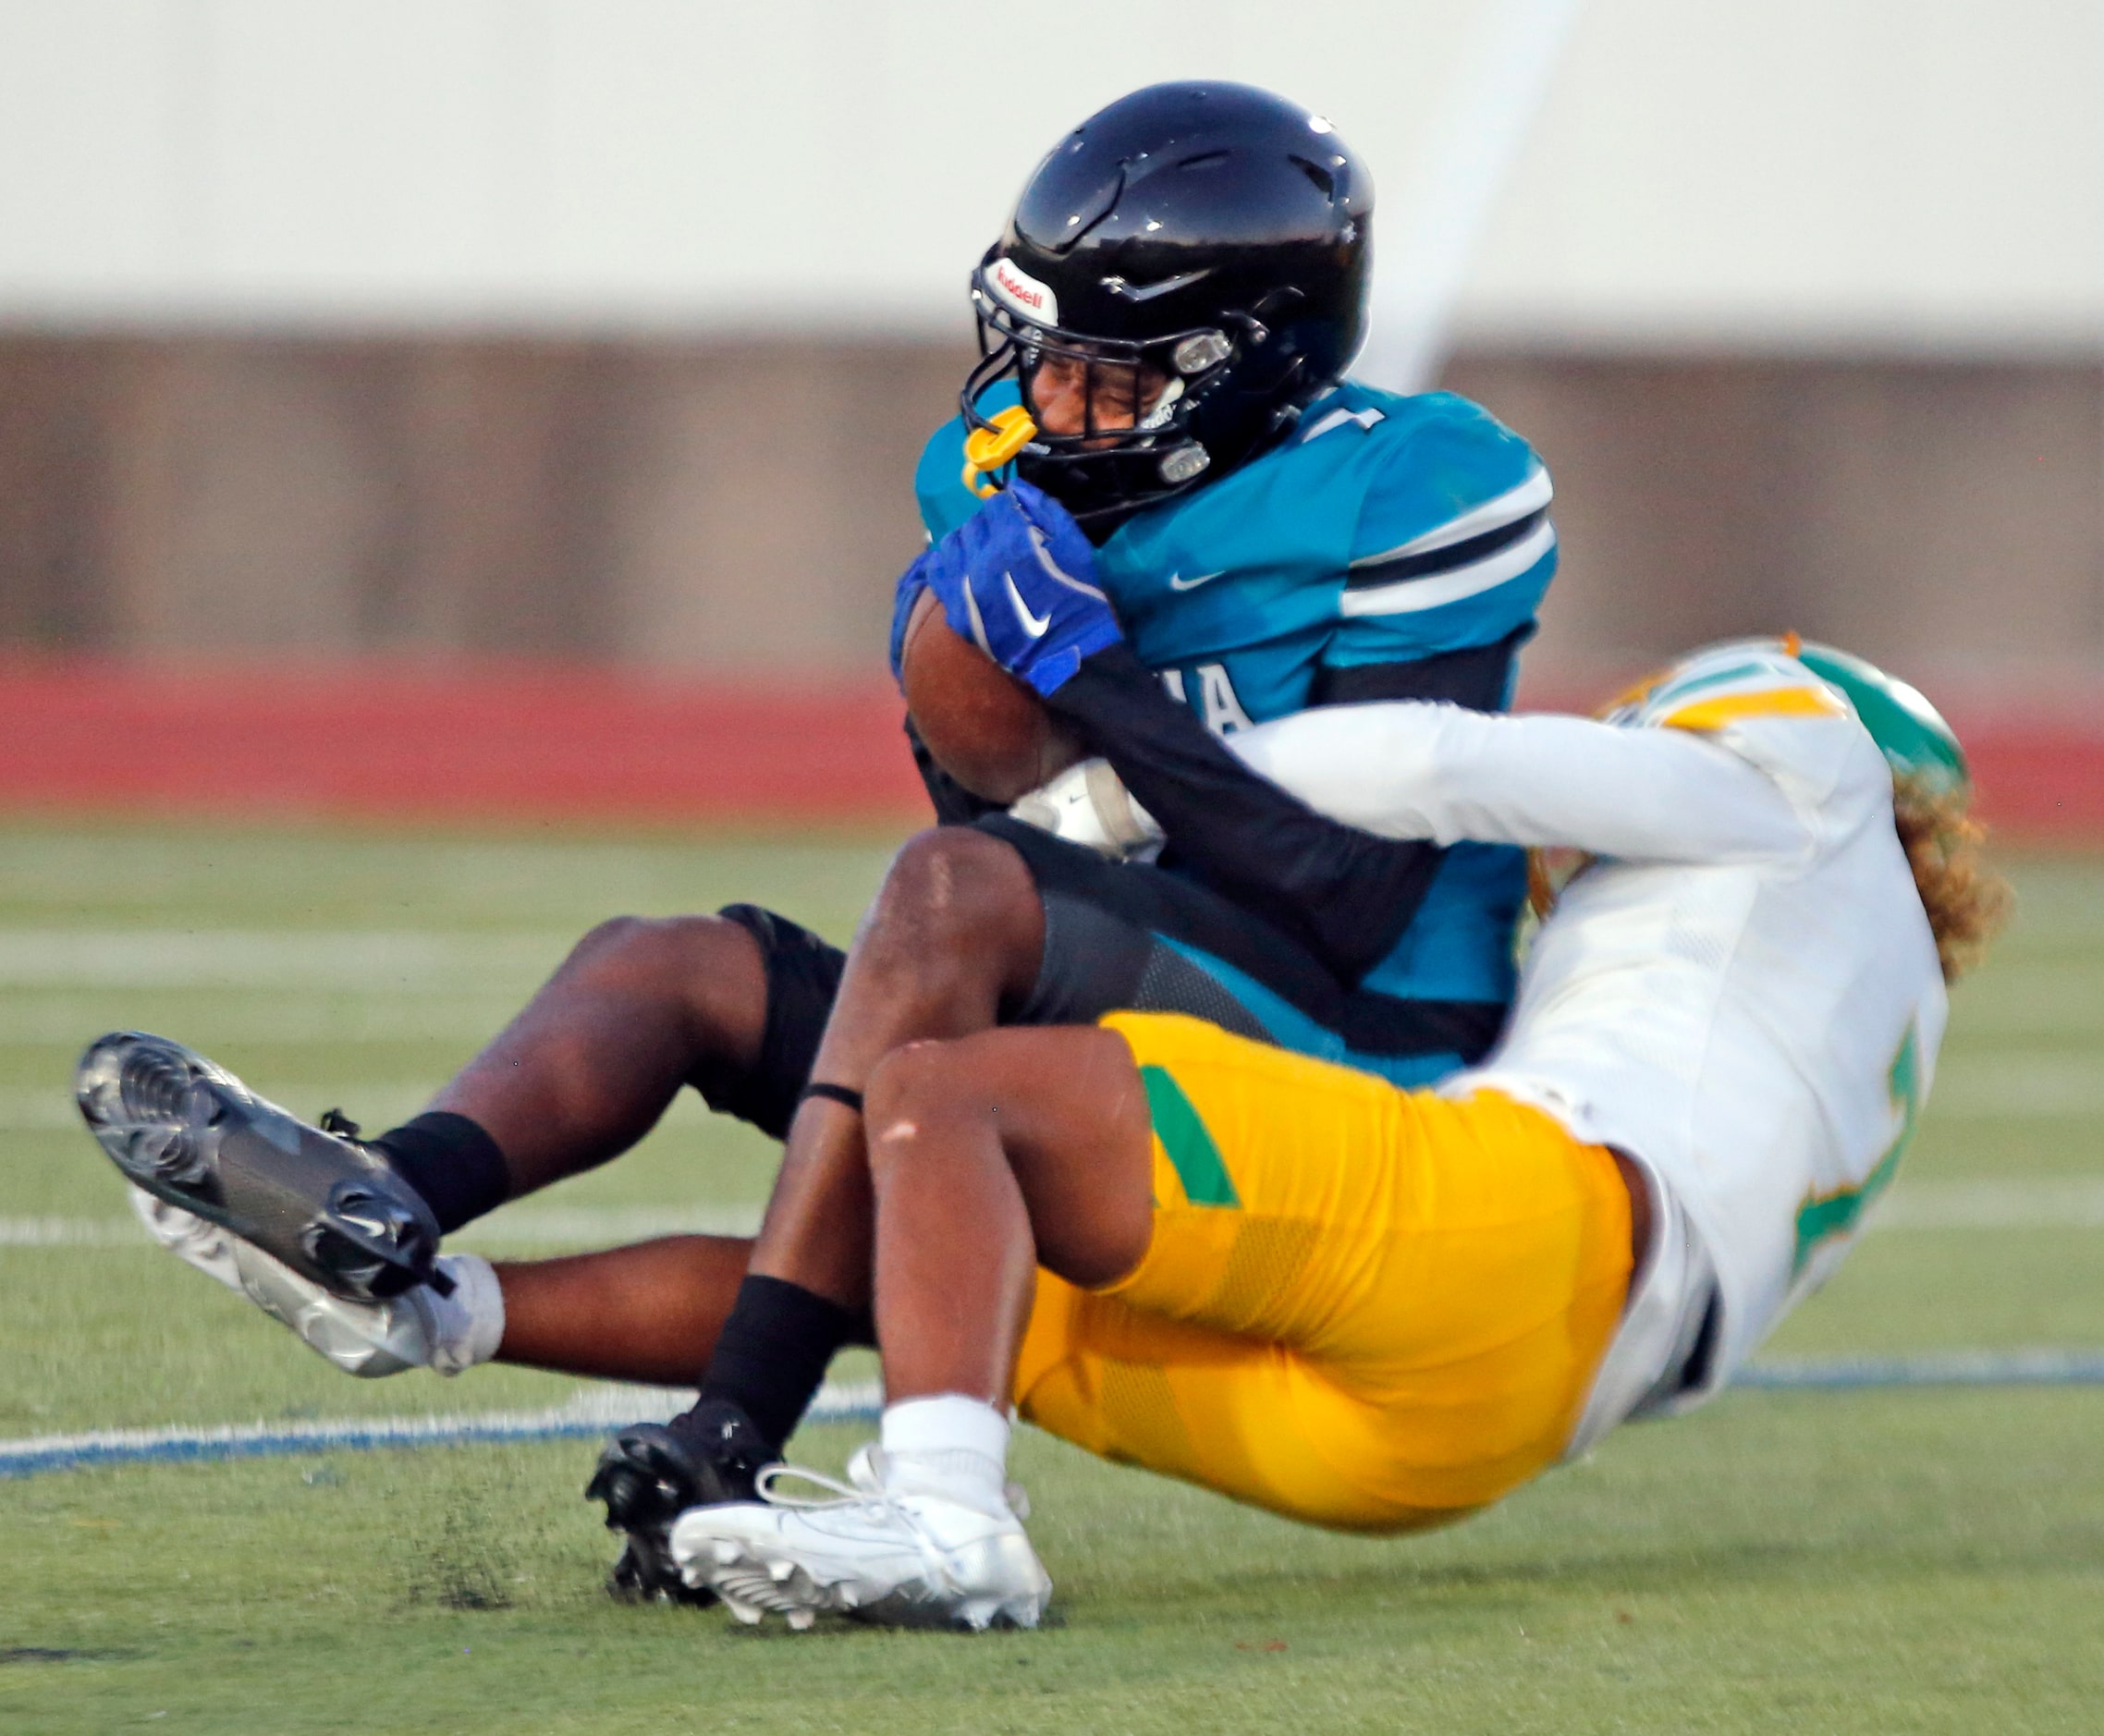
x: 187, y: 1236
x: 416, y: 1329
x: 901, y: 1557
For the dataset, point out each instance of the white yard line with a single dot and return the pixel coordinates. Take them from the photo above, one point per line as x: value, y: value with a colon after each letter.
x: 377, y: 1104
x: 2074, y: 1202
x: 593, y: 1413
x: 2019, y: 1085
x: 320, y: 959
x: 39, y: 1109
x: 300, y: 1015
x: 71, y: 1232
x: 1928, y: 1368
x: 514, y: 1227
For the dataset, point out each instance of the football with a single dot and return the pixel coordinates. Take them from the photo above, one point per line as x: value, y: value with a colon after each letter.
x: 985, y: 728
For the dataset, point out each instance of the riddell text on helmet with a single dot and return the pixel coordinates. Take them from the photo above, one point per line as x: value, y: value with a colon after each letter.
x: 1025, y: 294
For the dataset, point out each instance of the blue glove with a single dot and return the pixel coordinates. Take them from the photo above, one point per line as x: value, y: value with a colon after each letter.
x: 1018, y: 579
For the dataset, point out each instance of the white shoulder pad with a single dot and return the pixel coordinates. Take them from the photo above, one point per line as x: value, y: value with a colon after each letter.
x: 1755, y: 700
x: 1752, y: 678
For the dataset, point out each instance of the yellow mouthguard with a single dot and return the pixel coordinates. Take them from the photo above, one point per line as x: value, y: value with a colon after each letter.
x: 988, y: 448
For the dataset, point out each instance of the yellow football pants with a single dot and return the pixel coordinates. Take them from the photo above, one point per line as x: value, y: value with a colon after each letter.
x: 1362, y: 1307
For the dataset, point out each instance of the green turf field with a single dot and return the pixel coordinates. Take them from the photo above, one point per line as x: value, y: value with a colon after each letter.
x: 1911, y: 1560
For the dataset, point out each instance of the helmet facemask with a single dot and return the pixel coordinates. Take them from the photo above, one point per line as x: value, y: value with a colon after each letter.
x: 1142, y: 403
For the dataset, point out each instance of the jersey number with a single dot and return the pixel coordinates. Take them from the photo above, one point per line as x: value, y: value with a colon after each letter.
x: 1827, y: 1214
x: 1217, y: 703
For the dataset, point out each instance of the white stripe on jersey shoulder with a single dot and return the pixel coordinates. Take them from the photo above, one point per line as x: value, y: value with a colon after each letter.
x: 1412, y: 596
x: 1337, y: 418
x: 1531, y: 495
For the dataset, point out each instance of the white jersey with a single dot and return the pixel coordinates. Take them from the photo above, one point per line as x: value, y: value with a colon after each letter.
x: 1741, y: 993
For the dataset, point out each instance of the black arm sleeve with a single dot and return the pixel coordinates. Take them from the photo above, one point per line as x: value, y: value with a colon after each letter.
x: 1478, y: 677
x: 954, y: 804
x: 1343, y: 893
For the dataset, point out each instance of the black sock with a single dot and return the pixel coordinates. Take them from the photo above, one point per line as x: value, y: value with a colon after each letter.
x: 451, y: 1162
x: 772, y: 1351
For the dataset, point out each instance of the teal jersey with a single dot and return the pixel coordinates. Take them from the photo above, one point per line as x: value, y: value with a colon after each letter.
x: 1385, y: 530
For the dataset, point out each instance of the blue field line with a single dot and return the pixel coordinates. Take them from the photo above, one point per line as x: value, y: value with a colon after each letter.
x: 592, y: 1416
x: 598, y: 1411
x: 1945, y: 1368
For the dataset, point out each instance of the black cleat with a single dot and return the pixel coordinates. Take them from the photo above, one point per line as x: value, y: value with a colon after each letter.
x: 192, y: 1134
x: 650, y: 1472
x: 645, y: 1572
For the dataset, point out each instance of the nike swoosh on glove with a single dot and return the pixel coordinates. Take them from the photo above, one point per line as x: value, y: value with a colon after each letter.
x: 1019, y: 579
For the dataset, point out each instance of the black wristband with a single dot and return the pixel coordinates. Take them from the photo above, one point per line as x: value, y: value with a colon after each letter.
x: 832, y: 1094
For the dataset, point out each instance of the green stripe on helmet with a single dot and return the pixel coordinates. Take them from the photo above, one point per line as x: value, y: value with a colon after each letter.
x: 1917, y: 742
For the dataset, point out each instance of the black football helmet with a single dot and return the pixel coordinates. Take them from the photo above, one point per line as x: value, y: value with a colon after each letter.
x: 1200, y: 248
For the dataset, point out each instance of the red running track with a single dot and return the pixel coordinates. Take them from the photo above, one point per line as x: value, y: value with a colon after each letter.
x: 525, y: 742
x: 484, y: 743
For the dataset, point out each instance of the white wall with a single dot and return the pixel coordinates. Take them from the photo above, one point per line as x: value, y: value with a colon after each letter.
x: 1739, y: 171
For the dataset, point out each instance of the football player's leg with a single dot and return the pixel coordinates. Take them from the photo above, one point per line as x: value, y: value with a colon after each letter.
x: 637, y: 1010
x: 649, y: 1312
x: 1028, y: 1147
x: 954, y: 932
x: 969, y: 1144
x: 329, y: 1229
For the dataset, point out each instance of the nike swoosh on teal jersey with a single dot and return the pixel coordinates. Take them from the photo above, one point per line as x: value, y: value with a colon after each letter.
x: 1177, y: 581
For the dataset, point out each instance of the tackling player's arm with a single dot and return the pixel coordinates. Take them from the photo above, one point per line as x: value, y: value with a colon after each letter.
x: 1683, y: 772
x: 1441, y: 772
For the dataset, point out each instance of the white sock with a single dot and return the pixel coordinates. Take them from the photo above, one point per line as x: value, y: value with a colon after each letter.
x: 949, y: 1446
x: 468, y: 1325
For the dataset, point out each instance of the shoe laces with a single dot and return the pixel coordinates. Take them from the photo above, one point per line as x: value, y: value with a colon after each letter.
x: 864, y: 1487
x: 868, y: 1486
